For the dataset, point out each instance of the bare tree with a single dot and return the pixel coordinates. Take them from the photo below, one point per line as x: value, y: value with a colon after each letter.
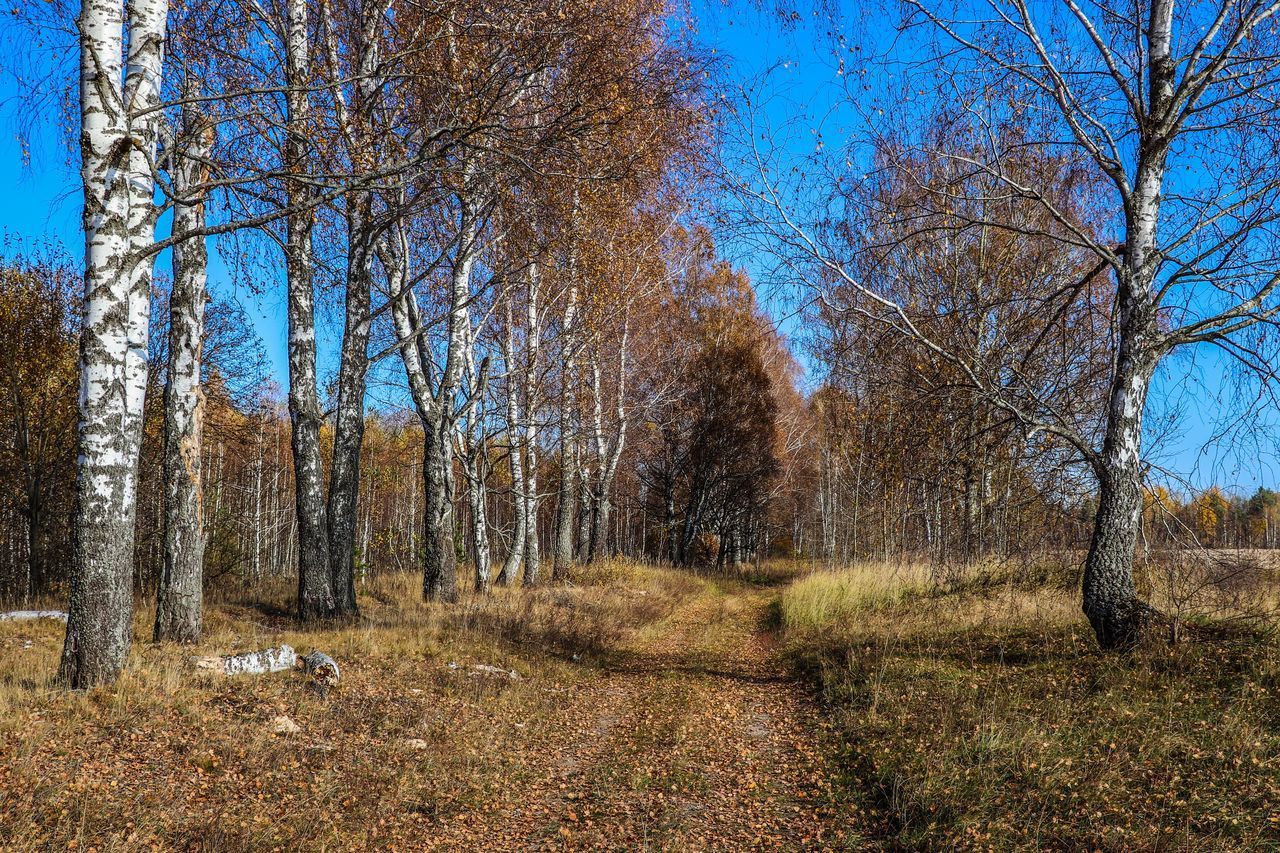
x: 1146, y: 95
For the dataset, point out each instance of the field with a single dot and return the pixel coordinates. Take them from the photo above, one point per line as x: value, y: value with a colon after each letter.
x: 984, y: 716
x: 787, y: 708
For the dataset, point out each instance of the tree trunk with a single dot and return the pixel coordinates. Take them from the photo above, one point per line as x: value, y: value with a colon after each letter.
x: 439, y: 578
x: 179, y: 599
x: 476, y: 494
x: 669, y: 518
x: 565, y: 496
x: 35, y: 544
x: 439, y: 557
x: 608, y: 453
x: 600, y: 523
x: 348, y: 436
x: 1109, y: 597
x: 563, y: 548
x: 566, y: 499
x: 315, y: 582
x: 532, y: 554
x: 117, y: 158
x: 533, y: 326
x: 586, y: 500
x: 515, y: 444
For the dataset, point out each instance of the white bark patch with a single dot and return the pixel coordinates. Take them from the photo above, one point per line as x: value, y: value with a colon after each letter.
x: 250, y: 663
x: 32, y: 615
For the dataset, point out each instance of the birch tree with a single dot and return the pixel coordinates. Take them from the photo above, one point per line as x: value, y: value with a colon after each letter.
x: 180, y: 596
x: 1153, y: 97
x: 566, y: 494
x: 363, y: 132
x: 121, y: 62
x: 523, y: 311
x: 316, y: 596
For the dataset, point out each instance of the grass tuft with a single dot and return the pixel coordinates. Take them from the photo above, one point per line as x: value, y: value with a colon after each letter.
x: 823, y: 599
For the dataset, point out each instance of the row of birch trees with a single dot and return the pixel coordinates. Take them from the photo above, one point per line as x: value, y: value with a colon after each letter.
x: 479, y: 192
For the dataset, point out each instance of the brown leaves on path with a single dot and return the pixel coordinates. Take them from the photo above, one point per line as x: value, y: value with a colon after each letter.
x: 693, y: 737
x: 650, y: 713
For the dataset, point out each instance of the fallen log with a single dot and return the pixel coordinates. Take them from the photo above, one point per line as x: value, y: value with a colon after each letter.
x: 30, y: 615
x: 322, y: 668
x: 482, y: 670
x: 250, y: 663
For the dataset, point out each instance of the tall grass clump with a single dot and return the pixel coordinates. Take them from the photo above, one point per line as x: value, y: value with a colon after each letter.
x: 828, y: 598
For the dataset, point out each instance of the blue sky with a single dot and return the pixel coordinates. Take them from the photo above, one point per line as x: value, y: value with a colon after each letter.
x: 40, y: 202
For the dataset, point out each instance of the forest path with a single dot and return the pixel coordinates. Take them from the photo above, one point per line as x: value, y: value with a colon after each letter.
x: 692, y: 736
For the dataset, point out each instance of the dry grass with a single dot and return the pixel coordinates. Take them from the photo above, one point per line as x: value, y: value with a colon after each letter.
x: 182, y: 759
x: 967, y: 711
x: 823, y: 599
x: 986, y: 718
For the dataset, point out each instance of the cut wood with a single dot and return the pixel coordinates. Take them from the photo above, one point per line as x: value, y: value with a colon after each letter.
x: 322, y: 668
x: 250, y: 663
x: 29, y: 615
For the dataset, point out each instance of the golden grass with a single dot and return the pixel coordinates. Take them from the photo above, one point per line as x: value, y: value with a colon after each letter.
x: 825, y: 598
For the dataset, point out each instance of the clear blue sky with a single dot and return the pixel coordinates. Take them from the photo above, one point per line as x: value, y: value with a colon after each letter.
x: 40, y: 202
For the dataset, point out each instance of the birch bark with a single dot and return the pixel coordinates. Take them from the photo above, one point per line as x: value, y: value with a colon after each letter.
x: 566, y: 496
x: 515, y: 456
x: 608, y: 449
x: 529, y: 428
x: 117, y: 160
x: 316, y: 599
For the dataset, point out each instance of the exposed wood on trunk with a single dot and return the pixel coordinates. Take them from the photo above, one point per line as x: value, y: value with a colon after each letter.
x: 180, y: 598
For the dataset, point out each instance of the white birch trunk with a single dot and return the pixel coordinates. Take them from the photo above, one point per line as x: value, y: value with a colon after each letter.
x: 515, y: 452
x: 533, y: 325
x: 316, y: 598
x: 566, y: 495
x: 608, y: 449
x: 117, y: 160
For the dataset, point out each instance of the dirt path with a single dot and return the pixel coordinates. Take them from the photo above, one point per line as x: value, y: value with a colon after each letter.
x: 693, y: 737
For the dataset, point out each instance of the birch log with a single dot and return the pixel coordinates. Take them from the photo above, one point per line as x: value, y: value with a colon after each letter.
x: 250, y: 663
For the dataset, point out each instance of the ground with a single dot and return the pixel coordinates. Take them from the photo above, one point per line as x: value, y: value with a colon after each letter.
x: 874, y: 707
x: 652, y: 711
